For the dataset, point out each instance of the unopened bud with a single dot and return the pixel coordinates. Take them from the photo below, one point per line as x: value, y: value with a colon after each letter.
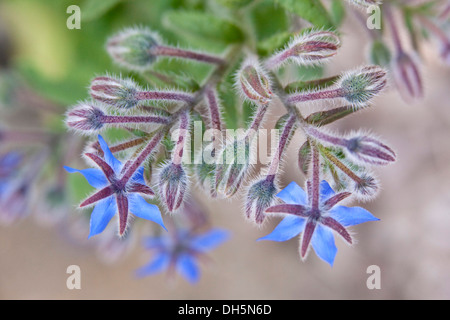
x: 368, y: 150
x: 173, y: 184
x: 260, y: 196
x: 120, y: 93
x: 131, y: 48
x: 310, y: 48
x: 254, y: 82
x: 234, y: 168
x: 361, y: 85
x: 366, y: 187
x: 85, y: 118
x: 407, y: 77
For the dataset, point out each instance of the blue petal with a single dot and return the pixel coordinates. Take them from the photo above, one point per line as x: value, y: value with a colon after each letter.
x: 158, y: 264
x: 115, y: 164
x: 350, y: 216
x: 142, y: 209
x: 101, y: 215
x: 288, y: 228
x: 187, y: 267
x: 94, y: 177
x: 293, y: 194
x: 138, y: 176
x: 323, y: 243
x: 326, y: 191
x: 209, y: 240
x: 10, y: 159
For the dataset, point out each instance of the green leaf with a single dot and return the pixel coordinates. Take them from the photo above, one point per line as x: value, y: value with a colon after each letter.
x: 304, y: 157
x: 275, y: 42
x: 380, y: 53
x: 310, y: 10
x: 322, y: 118
x: 337, y: 10
x: 78, y: 187
x: 309, y: 85
x: 269, y: 19
x: 234, y: 4
x: 94, y: 9
x: 206, y: 29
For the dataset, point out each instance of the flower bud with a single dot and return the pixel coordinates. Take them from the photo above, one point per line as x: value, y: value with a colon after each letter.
x: 120, y: 93
x: 131, y: 48
x: 361, y: 85
x: 234, y: 168
x: 173, y: 184
x: 85, y: 118
x: 310, y: 48
x: 407, y: 77
x: 366, y: 187
x: 368, y: 150
x: 254, y: 82
x: 260, y: 196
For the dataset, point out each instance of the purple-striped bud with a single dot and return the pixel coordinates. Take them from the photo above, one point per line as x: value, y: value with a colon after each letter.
x: 407, y: 77
x: 234, y: 167
x: 260, y: 196
x: 366, y: 187
x: 368, y: 150
x: 310, y: 48
x: 85, y: 118
x: 173, y: 183
x: 253, y: 82
x: 131, y: 48
x: 361, y: 85
x: 117, y: 92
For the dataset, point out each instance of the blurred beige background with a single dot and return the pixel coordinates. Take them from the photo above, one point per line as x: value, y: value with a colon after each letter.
x: 410, y: 244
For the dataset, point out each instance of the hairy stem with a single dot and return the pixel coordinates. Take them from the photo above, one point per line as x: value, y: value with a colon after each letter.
x: 186, y: 54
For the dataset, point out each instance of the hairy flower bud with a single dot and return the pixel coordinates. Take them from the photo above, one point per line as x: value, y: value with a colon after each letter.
x: 230, y: 174
x: 254, y: 82
x: 368, y: 150
x: 131, y: 48
x: 407, y: 77
x: 85, y: 118
x: 173, y: 183
x: 310, y: 48
x: 260, y: 196
x: 117, y: 92
x: 366, y: 187
x: 361, y: 85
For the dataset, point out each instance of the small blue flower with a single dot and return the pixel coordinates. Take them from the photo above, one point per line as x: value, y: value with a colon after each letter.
x: 316, y: 225
x: 116, y: 194
x: 179, y: 251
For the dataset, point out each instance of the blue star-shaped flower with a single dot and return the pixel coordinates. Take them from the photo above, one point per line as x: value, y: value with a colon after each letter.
x: 315, y: 224
x: 116, y: 194
x: 179, y: 251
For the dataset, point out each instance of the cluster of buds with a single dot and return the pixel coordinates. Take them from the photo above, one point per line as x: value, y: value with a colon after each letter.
x: 121, y: 103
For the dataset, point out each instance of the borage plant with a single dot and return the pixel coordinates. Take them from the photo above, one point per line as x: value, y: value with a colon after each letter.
x: 175, y: 119
x: 163, y: 122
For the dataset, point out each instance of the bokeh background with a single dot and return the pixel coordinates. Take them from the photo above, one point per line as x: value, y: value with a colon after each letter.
x: 410, y: 244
